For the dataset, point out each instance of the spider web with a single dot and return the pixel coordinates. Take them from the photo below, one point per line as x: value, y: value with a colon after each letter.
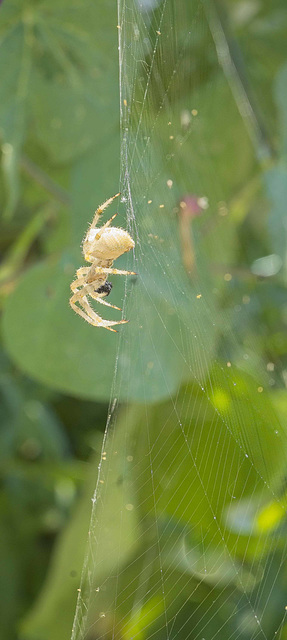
x: 187, y: 535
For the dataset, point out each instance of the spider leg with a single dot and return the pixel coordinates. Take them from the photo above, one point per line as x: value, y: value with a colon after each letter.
x: 107, y: 224
x: 82, y: 271
x: 118, y: 272
x: 107, y: 304
x: 100, y: 210
x: 79, y: 282
x: 88, y: 319
x: 91, y: 290
x: 89, y: 314
x: 99, y: 298
x: 98, y: 235
x: 82, y: 313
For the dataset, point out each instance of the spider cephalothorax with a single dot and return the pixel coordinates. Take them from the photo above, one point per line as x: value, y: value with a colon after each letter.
x: 101, y: 246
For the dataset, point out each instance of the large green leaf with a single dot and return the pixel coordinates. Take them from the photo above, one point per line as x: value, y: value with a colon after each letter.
x: 171, y: 478
x: 53, y: 613
x: 57, y: 347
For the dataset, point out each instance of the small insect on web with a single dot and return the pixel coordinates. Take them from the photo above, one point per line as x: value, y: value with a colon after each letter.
x: 101, y: 246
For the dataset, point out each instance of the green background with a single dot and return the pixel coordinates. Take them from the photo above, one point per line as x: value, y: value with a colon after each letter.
x: 60, y: 155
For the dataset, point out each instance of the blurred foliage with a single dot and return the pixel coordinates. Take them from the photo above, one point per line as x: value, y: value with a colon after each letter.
x: 59, y: 131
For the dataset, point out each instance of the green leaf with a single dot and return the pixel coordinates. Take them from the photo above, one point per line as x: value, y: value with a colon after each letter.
x: 53, y: 344
x: 60, y: 349
x: 160, y: 488
x: 53, y: 613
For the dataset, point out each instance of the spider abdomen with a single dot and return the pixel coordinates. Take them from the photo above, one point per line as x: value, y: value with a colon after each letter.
x: 111, y: 243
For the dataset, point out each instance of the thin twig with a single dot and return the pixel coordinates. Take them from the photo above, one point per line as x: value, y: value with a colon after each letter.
x: 230, y: 58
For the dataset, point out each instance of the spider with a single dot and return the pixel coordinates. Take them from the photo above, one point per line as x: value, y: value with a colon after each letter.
x: 101, y: 246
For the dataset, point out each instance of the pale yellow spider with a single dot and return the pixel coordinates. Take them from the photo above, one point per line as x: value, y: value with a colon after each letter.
x: 100, y: 247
